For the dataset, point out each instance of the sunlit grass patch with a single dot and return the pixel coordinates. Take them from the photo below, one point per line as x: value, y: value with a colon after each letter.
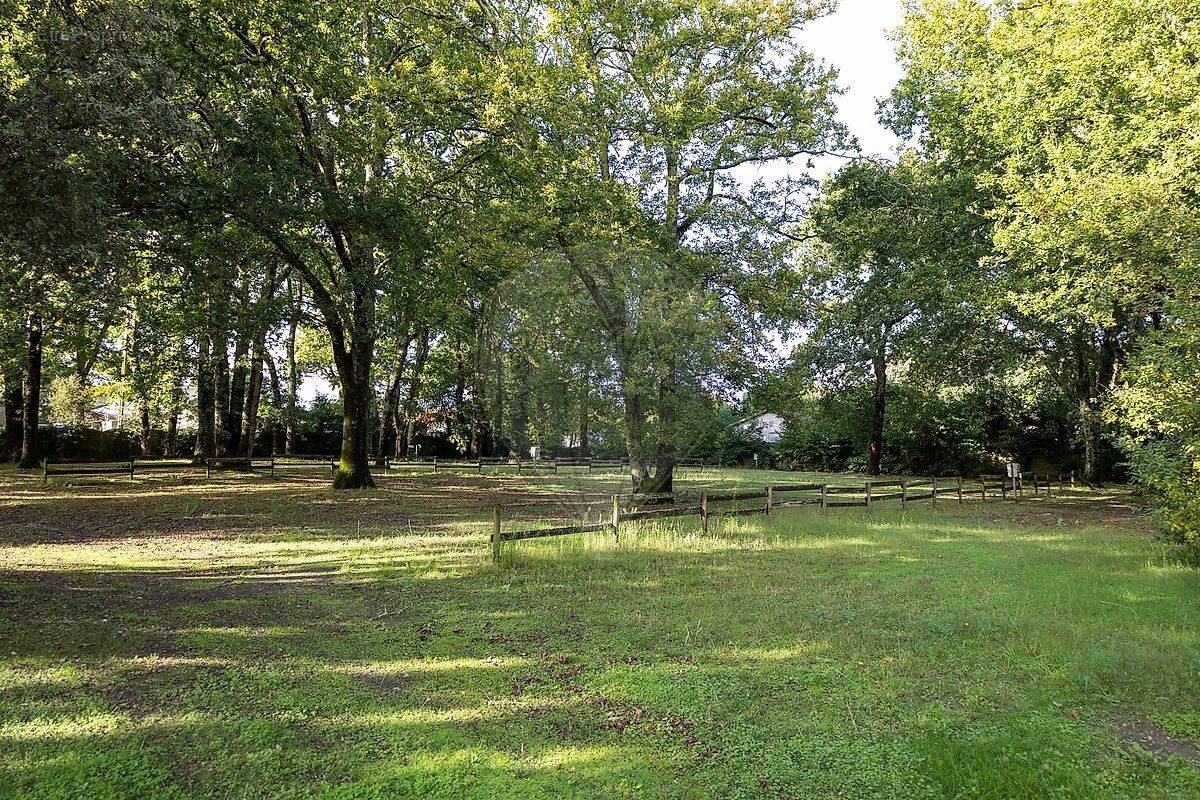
x: 290, y: 643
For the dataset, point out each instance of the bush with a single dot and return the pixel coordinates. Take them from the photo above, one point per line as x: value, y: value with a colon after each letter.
x: 722, y: 440
x: 1167, y: 470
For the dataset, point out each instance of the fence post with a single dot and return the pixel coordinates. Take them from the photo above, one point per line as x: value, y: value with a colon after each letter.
x: 1003, y: 488
x: 272, y: 466
x: 479, y: 466
x: 207, y: 468
x: 983, y: 488
x: 824, y: 498
x: 556, y: 466
x: 904, y: 493
x: 496, y: 534
x: 770, y: 500
x: 45, y: 471
x: 435, y: 463
x: 960, y: 500
x: 131, y: 468
x: 704, y: 512
x: 1020, y: 483
x: 1048, y: 484
x: 868, y: 497
x: 616, y: 517
x: 332, y: 468
x: 933, y: 494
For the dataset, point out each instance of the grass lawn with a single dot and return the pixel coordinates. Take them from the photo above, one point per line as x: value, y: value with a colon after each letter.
x: 173, y: 637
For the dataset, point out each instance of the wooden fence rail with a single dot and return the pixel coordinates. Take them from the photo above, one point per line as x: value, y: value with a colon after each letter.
x: 929, y: 489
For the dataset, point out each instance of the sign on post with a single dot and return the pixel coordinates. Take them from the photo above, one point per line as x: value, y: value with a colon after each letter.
x: 1014, y: 475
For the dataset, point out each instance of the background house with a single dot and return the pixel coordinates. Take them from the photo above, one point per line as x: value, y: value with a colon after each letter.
x: 766, y: 426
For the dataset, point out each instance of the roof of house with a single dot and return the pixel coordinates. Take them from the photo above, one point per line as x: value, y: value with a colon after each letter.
x: 754, y: 416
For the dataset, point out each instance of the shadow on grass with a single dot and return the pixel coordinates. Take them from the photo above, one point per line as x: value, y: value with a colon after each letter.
x: 885, y: 656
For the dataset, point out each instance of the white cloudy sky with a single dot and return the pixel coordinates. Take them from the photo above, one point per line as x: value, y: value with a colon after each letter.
x: 854, y: 40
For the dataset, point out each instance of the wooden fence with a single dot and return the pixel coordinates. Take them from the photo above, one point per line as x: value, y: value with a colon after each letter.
x: 552, y: 465
x: 272, y: 464
x: 765, y: 501
x: 135, y: 465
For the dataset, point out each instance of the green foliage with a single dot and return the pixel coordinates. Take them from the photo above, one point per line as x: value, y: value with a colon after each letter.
x: 1077, y: 119
x: 1158, y: 407
x: 722, y: 440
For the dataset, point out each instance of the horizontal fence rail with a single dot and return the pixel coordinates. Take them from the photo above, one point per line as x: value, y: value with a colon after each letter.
x: 765, y: 501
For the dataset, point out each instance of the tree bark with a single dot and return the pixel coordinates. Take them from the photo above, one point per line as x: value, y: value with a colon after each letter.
x: 405, y: 435
x: 354, y: 371
x: 253, y: 399
x: 14, y: 406
x: 205, y: 400
x: 144, y: 434
x: 878, y: 410
x: 277, y: 394
x: 585, y: 411
x: 31, y: 449
x: 172, y: 432
x: 663, y: 480
x: 388, y: 423
x: 289, y: 413
x: 639, y: 470
x: 220, y: 367
x: 236, y: 406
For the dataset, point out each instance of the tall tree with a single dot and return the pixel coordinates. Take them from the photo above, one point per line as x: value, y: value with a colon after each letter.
x: 1075, y: 115
x: 82, y: 125
x: 671, y: 104
x: 893, y: 278
x: 341, y: 134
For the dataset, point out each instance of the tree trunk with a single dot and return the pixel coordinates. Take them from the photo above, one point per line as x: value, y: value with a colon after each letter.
x: 390, y: 410
x: 14, y: 405
x: 520, y: 415
x: 220, y: 367
x: 289, y: 412
x: 205, y: 401
x: 279, y: 402
x: 639, y: 470
x: 405, y: 435
x: 144, y: 424
x: 1090, y: 428
x: 585, y: 411
x: 175, y: 401
x: 663, y: 480
x: 235, y: 409
x: 878, y: 411
x: 253, y: 399
x: 172, y: 432
x: 354, y: 371
x: 31, y: 450
x: 1097, y: 357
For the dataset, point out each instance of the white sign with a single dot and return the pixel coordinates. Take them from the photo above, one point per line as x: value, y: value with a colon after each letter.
x: 1014, y: 470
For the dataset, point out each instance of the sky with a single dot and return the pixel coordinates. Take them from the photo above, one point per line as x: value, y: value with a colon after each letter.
x: 854, y: 40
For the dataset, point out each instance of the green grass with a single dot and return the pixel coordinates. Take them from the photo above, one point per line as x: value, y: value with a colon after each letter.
x: 248, y: 638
